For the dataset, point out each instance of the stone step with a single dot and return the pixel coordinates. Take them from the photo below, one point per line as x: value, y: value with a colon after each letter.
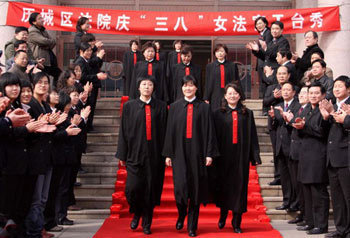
x: 99, y: 157
x: 97, y: 178
x: 266, y: 157
x: 284, y: 215
x: 89, y: 214
x: 264, y: 179
x: 100, y: 128
x: 101, y: 147
x: 102, y: 137
x: 94, y: 190
x: 266, y: 168
x: 271, y: 191
x: 94, y: 202
x: 262, y: 129
x: 265, y: 146
x: 253, y: 103
x: 106, y: 120
x: 113, y: 111
x: 261, y: 120
x: 108, y: 103
x: 263, y: 137
x: 101, y: 167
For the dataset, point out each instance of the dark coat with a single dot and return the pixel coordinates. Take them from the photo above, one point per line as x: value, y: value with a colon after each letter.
x: 269, y: 56
x: 304, y: 63
x: 87, y: 74
x: 144, y: 162
x: 171, y: 61
x: 128, y: 68
x: 337, y: 145
x: 269, y: 100
x: 295, y: 143
x: 232, y: 167
x: 79, y: 140
x: 327, y: 83
x: 77, y: 42
x: 189, y: 171
x: 267, y: 37
x: 347, y: 127
x: 213, y: 91
x: 160, y: 85
x: 284, y: 130
x: 39, y: 144
x: 313, y: 159
x: 179, y: 71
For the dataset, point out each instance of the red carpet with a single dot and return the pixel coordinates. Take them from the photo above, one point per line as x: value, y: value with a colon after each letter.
x: 255, y: 223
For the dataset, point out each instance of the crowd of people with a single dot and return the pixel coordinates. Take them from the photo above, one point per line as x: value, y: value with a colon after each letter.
x: 201, y: 128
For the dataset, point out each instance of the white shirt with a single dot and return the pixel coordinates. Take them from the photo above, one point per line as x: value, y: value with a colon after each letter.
x: 339, y: 103
x: 190, y: 100
x: 286, y: 62
x: 148, y: 101
x: 221, y: 62
x: 289, y: 102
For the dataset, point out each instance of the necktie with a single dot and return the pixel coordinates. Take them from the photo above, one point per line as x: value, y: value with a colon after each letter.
x: 285, y: 107
x: 300, y: 110
x: 148, y: 122
x: 187, y: 70
x: 149, y: 68
x: 222, y: 75
x: 189, y: 121
x: 234, y: 127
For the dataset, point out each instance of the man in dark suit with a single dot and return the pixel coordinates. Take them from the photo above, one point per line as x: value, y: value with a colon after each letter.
x: 304, y: 63
x: 318, y: 70
x: 283, y: 141
x: 337, y: 161
x: 312, y: 173
x: 272, y: 97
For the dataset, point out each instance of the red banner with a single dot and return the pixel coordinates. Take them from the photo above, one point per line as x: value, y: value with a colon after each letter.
x: 122, y: 22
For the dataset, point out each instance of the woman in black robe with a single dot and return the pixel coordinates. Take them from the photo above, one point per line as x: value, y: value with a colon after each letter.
x: 238, y: 146
x: 218, y: 74
x: 130, y: 59
x: 190, y: 145
x: 146, y: 68
x: 174, y: 58
x: 141, y: 138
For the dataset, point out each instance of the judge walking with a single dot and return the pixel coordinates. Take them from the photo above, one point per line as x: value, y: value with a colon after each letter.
x: 190, y: 145
x: 238, y: 146
x: 141, y: 138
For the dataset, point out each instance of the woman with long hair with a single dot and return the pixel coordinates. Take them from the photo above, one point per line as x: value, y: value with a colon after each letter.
x: 238, y: 147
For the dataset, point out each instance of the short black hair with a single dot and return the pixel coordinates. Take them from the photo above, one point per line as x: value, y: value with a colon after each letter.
x: 150, y: 78
x: 186, y: 49
x: 285, y: 53
x: 63, y: 101
x: 291, y: 84
x: 321, y: 61
x: 25, y: 83
x: 19, y: 42
x: 88, y: 37
x: 283, y: 66
x: 80, y: 22
x: 32, y: 17
x: 84, y: 46
x: 263, y: 19
x: 38, y: 76
x: 20, y: 28
x: 278, y: 23
x: 10, y: 79
x: 319, y: 52
x: 188, y: 78
x: 218, y: 46
x: 345, y: 79
x: 177, y: 41
x: 147, y: 45
x: 318, y: 84
x: 314, y: 34
x: 132, y: 42
x: 18, y: 52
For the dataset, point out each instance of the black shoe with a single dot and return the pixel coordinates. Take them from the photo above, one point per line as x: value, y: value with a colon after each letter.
x: 295, y: 220
x: 264, y: 113
x: 237, y: 230
x: 292, y: 209
x: 65, y: 222
x: 282, y: 207
x: 334, y: 234
x: 317, y: 231
x: 192, y: 234
x: 305, y: 228
x: 275, y: 182
x: 147, y: 231
x: 180, y: 223
x: 134, y: 222
x: 302, y: 223
x: 222, y: 220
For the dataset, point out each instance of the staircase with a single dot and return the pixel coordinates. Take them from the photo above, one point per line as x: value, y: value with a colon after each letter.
x: 98, y: 185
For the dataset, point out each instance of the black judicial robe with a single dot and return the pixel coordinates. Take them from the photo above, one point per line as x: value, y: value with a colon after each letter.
x: 141, y: 70
x: 179, y: 71
x: 128, y: 68
x: 174, y: 58
x: 188, y: 156
x: 162, y: 57
x: 144, y: 162
x: 313, y: 157
x: 213, y: 91
x: 232, y: 167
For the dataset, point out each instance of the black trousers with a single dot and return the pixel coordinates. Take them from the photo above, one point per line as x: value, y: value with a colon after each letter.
x: 236, y: 219
x: 16, y: 197
x: 316, y: 205
x: 339, y: 181
x: 285, y: 178
x: 297, y: 187
x: 73, y: 179
x: 277, y: 174
x: 92, y: 102
x: 193, y: 214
